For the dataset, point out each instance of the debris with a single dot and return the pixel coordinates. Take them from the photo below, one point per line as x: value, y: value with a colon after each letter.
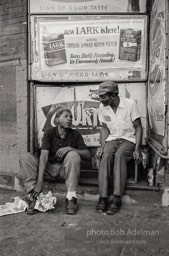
x: 71, y: 225
x: 45, y: 202
x: 104, y: 213
x: 19, y: 205
x: 128, y: 200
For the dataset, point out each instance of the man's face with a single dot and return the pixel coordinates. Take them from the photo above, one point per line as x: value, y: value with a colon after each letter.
x: 65, y: 119
x: 105, y: 99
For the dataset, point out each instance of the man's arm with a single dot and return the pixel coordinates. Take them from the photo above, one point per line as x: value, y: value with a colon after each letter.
x: 103, y: 136
x: 84, y: 153
x: 41, y: 169
x: 139, y: 133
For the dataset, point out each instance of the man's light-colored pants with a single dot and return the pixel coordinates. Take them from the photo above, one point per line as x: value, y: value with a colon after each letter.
x: 68, y: 170
x: 116, y: 155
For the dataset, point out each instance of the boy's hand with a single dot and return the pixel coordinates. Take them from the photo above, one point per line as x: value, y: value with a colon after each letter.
x: 62, y: 151
x: 37, y: 190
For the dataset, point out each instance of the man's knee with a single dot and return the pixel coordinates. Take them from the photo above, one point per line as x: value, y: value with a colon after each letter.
x: 73, y: 156
x: 107, y: 155
x: 119, y: 154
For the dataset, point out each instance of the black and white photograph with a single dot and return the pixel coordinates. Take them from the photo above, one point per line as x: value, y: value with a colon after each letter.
x: 84, y: 134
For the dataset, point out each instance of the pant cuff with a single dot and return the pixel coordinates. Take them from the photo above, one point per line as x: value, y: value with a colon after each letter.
x: 28, y: 189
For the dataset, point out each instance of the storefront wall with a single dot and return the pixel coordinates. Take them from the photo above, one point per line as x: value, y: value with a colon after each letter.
x: 69, y: 55
x: 17, y: 112
x: 13, y: 88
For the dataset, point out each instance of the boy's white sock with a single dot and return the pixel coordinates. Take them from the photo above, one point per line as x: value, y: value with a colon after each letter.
x: 71, y: 194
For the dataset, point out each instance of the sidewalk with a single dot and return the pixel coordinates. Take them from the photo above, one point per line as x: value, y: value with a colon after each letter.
x: 141, y: 229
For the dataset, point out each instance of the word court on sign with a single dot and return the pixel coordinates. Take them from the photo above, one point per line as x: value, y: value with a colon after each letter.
x: 84, y: 113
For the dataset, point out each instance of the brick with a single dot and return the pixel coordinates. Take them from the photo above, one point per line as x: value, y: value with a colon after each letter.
x: 15, y: 3
x: 13, y: 29
x: 13, y: 85
x: 17, y: 9
x: 18, y: 20
x: 16, y: 15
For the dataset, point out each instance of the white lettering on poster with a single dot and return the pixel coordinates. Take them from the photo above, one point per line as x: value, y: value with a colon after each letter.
x: 77, y: 48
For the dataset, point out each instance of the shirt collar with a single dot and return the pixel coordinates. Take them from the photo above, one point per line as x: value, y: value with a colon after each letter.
x: 121, y: 104
x: 68, y: 133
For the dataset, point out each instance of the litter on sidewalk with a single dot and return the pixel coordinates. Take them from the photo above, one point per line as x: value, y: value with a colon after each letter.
x: 19, y: 205
x: 43, y: 203
x: 127, y: 200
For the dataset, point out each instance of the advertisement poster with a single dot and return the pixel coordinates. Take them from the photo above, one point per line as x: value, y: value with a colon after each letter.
x: 88, y: 48
x: 84, y: 104
x: 88, y: 6
x: 157, y: 76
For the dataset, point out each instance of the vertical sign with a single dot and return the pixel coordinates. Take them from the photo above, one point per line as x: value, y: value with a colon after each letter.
x: 157, y: 76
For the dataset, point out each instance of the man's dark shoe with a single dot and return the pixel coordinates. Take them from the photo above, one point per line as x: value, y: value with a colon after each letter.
x: 101, y: 205
x: 71, y: 206
x: 113, y: 207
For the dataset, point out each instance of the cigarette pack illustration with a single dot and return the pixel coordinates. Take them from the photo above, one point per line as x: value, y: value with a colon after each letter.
x: 130, y: 44
x: 54, y: 49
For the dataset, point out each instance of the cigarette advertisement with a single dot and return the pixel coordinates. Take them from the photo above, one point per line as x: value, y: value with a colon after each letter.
x: 92, y: 48
x: 88, y: 6
x: 83, y: 103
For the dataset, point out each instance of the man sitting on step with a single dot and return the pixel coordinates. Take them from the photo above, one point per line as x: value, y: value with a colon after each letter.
x: 61, y: 153
x: 121, y: 139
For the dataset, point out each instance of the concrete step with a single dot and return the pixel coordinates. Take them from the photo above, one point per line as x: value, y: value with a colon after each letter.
x: 90, y: 187
x: 61, y: 188
x: 89, y: 174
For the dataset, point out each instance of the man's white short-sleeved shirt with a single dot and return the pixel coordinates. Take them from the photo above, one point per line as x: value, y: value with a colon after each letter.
x: 120, y: 124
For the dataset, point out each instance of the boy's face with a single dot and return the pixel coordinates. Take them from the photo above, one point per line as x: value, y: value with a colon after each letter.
x: 65, y: 119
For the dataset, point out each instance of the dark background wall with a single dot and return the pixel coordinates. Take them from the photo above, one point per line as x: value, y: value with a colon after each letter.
x: 13, y: 87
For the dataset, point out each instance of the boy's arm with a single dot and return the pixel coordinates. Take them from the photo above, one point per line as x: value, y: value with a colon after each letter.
x: 84, y: 153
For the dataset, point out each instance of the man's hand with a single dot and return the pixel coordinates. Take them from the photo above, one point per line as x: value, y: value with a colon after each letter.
x: 99, y: 153
x: 137, y: 156
x: 37, y: 190
x: 62, y: 151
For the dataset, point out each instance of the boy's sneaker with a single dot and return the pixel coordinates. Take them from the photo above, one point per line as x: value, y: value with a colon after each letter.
x: 101, y: 205
x: 71, y: 206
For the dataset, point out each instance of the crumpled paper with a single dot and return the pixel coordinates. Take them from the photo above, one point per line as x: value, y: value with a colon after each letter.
x: 45, y: 202
x: 19, y: 205
x: 126, y: 199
